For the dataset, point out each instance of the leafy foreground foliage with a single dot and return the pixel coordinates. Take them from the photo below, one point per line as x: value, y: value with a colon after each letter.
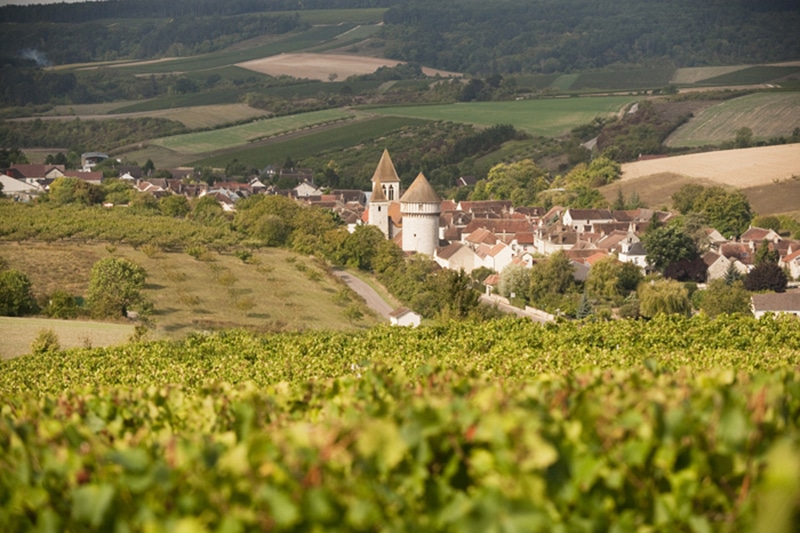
x: 673, y: 424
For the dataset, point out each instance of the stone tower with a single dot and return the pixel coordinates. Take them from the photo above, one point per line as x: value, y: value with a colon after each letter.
x: 379, y: 209
x: 387, y: 176
x: 420, y: 207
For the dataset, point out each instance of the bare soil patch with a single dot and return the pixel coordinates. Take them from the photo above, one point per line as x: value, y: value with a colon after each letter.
x: 324, y: 67
x: 748, y: 167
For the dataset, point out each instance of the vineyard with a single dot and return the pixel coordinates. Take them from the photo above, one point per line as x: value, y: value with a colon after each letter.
x: 669, y: 425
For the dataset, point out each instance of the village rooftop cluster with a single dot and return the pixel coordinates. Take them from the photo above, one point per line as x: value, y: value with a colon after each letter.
x: 464, y: 235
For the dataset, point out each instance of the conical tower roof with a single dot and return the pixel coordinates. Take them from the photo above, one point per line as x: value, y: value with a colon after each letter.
x: 420, y: 192
x: 377, y: 192
x: 385, y: 171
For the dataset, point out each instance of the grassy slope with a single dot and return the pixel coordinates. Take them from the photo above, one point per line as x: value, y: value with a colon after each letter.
x: 189, y: 295
x: 548, y: 117
x: 334, y: 139
x: 766, y: 114
x: 201, y: 142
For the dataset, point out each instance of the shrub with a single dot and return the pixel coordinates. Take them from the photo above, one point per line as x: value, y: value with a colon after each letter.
x: 45, y: 342
x: 61, y: 304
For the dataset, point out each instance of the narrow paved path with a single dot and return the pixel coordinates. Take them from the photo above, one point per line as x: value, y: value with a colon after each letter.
x: 373, y: 299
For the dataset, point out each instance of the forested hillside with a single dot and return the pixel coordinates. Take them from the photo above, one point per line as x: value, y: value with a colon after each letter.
x: 559, y: 36
x: 504, y: 36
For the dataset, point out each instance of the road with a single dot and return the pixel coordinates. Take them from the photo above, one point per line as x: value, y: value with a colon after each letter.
x: 373, y: 299
x: 379, y: 305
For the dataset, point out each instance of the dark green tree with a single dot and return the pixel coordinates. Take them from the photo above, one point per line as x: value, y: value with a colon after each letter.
x: 667, y: 245
x: 16, y: 297
x: 766, y: 254
x: 766, y: 277
x: 174, y: 205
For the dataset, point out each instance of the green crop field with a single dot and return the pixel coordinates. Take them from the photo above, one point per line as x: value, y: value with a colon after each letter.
x: 623, y: 79
x: 220, y: 139
x: 332, y: 139
x: 565, y: 81
x: 672, y: 424
x: 213, y: 97
x: 315, y: 88
x: 769, y: 114
x: 548, y: 117
x: 753, y: 75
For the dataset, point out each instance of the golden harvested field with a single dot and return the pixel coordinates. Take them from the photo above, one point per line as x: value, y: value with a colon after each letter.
x: 747, y: 167
x: 324, y: 66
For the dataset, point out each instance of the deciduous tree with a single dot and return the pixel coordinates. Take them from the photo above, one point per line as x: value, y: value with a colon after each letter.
x: 115, y: 286
x: 720, y: 298
x: 663, y: 297
x: 667, y: 245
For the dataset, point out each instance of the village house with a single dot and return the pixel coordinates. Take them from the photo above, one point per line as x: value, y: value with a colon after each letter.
x: 777, y: 303
x: 403, y: 316
x: 19, y: 190
x: 456, y: 256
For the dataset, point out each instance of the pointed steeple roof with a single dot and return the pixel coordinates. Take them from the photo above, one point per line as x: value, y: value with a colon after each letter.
x: 385, y: 171
x: 421, y: 192
x: 377, y: 192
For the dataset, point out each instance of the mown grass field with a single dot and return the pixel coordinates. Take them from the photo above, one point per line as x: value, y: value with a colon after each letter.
x: 224, y: 96
x: 277, y: 290
x: 753, y: 75
x: 330, y: 139
x: 564, y: 82
x: 220, y: 139
x: 768, y: 114
x: 548, y: 117
x: 17, y: 334
x: 199, y: 117
x: 623, y: 79
x: 692, y: 75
